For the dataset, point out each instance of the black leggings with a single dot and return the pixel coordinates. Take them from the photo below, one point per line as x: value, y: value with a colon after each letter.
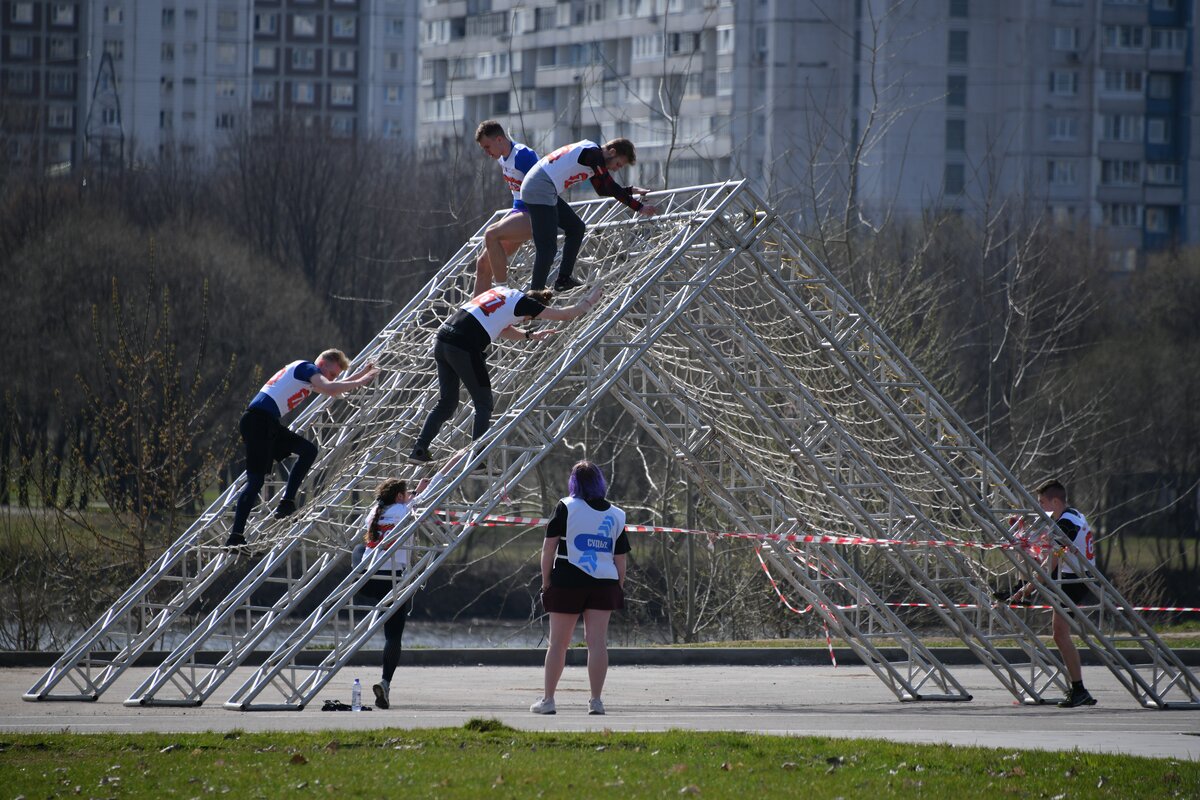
x: 268, y: 441
x: 545, y: 222
x: 454, y: 366
x: 393, y: 628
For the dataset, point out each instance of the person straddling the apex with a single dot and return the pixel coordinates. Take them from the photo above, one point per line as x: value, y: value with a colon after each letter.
x: 460, y: 345
x: 1053, y: 499
x: 392, y: 504
x: 268, y: 440
x: 583, y: 572
x: 549, y: 178
x: 502, y: 238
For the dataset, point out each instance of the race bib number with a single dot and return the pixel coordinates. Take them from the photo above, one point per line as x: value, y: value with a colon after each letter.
x: 491, y: 302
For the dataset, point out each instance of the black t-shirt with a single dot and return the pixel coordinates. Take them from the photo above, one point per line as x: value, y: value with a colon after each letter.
x: 564, y: 574
x: 463, y: 330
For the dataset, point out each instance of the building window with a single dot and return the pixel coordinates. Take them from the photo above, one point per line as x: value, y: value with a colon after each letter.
x: 724, y: 82
x: 1114, y: 172
x: 166, y: 120
x: 225, y: 121
x: 1123, y: 81
x: 1121, y: 128
x: 20, y: 46
x: 1158, y: 219
x: 227, y: 20
x: 394, y: 60
x: 166, y: 84
x: 956, y: 135
x: 115, y: 48
x: 958, y: 9
x: 61, y: 83
x: 1158, y: 130
x: 61, y: 116
x: 395, y: 26
x: 167, y: 51
x: 1066, y: 38
x: 1121, y: 215
x: 1163, y: 174
x: 62, y: 48
x: 344, y: 27
x: 391, y: 95
x: 21, y: 13
x: 303, y: 93
x: 724, y: 39
x: 391, y: 129
x: 264, y: 57
x: 1064, y: 82
x: 1160, y: 86
x: 226, y: 88
x: 647, y: 47
x: 1061, y: 172
x: 263, y: 91
x: 956, y: 47
x: 341, y: 126
x: 303, y: 58
x: 266, y: 23
x: 1124, y: 37
x: 19, y: 81
x: 1063, y: 128
x: 956, y: 91
x: 226, y: 54
x: 62, y: 14
x: 1168, y: 40
x: 304, y: 25
x: 114, y: 15
x: 343, y: 60
x: 168, y: 18
x: 341, y: 94
x: 189, y: 49
x: 954, y: 179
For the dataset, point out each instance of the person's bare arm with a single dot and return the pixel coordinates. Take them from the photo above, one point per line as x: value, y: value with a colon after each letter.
x: 571, y: 312
x: 330, y: 388
x: 619, y: 561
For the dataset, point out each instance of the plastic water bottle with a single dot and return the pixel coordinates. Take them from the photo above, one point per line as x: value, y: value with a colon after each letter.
x: 356, y: 696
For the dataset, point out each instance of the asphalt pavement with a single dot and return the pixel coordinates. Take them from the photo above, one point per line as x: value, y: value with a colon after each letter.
x: 846, y: 701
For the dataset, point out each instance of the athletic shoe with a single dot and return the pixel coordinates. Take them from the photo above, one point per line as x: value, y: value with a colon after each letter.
x: 1074, y: 699
x: 419, y: 455
x: 287, y: 507
x: 381, y: 695
x: 595, y: 707
x: 566, y: 284
x: 543, y: 706
x: 235, y: 540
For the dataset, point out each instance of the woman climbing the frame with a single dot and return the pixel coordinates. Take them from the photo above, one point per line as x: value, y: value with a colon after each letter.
x: 461, y: 343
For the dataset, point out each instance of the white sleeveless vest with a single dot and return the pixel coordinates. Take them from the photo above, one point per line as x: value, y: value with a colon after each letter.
x: 285, y: 390
x: 495, y: 309
x: 563, y: 167
x: 1084, y: 541
x: 592, y: 537
x: 389, y: 518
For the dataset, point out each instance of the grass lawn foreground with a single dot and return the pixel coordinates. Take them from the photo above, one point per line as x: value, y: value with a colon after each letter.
x: 485, y: 758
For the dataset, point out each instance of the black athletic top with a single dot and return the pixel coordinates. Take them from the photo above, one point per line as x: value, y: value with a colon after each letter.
x: 603, y: 181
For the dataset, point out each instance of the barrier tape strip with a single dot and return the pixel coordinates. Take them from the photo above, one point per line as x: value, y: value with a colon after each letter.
x: 499, y: 520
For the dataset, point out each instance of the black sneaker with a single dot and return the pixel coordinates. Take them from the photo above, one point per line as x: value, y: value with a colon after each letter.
x: 235, y: 540
x: 1074, y: 699
x: 419, y: 455
x: 566, y: 284
x: 287, y: 507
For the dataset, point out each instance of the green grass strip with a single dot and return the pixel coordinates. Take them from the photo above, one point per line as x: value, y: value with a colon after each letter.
x: 485, y: 758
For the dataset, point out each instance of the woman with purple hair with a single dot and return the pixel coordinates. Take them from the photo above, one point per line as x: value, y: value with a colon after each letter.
x: 583, y: 572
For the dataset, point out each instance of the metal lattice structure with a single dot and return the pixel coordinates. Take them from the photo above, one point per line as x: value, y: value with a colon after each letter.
x: 736, y: 351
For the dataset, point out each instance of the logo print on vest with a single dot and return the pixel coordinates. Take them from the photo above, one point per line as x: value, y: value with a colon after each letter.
x: 589, y: 544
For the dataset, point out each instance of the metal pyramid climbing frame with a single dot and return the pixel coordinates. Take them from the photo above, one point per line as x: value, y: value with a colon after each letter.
x: 737, y: 351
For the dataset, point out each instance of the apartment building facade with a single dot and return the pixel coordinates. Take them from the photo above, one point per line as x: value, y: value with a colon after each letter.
x: 124, y: 79
x: 1077, y: 108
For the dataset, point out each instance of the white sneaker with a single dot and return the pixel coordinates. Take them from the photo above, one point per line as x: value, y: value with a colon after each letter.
x: 595, y: 707
x: 543, y: 706
x: 381, y: 690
